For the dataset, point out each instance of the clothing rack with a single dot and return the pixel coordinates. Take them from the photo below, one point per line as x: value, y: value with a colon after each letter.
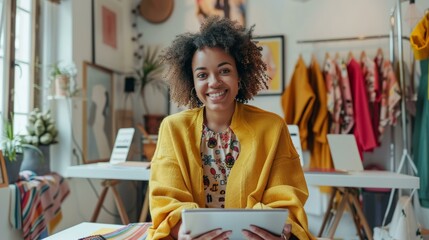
x: 389, y: 36
x: 347, y: 39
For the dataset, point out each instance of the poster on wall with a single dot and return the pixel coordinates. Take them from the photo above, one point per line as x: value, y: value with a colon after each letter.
x: 232, y: 9
x: 108, y: 32
x: 98, y: 131
x: 273, y: 56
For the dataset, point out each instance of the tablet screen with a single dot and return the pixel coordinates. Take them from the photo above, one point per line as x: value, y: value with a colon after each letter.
x: 201, y: 220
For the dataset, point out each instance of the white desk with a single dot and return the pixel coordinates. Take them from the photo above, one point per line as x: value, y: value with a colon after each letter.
x: 81, y: 230
x: 363, y: 179
x: 346, y: 185
x: 108, y: 171
x: 111, y: 174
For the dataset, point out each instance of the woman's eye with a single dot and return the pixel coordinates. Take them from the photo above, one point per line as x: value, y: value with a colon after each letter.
x: 201, y: 75
x: 225, y: 70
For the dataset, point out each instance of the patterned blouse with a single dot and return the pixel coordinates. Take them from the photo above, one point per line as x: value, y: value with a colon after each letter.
x: 218, y: 153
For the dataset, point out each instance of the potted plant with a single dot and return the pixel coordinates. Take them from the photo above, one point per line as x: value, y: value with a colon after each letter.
x: 12, y: 146
x: 62, y: 80
x: 149, y: 74
x: 41, y: 133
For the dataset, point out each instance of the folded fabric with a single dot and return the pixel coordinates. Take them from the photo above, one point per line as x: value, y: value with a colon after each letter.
x: 36, y: 203
x: 132, y: 231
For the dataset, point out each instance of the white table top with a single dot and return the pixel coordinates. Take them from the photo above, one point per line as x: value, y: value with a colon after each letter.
x: 108, y: 171
x: 81, y: 230
x: 363, y: 179
x: 359, y: 179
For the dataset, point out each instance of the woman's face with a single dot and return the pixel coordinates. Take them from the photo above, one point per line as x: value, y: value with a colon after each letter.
x: 215, y: 78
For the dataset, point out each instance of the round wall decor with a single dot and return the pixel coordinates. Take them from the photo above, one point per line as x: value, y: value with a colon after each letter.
x: 156, y: 11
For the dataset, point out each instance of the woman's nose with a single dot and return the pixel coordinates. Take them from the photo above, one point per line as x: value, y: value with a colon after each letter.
x: 214, y: 81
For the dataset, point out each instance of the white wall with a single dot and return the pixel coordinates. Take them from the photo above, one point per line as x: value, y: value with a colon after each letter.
x: 296, y: 20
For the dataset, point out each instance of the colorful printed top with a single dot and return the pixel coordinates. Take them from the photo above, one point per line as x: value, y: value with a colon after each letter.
x: 218, y: 153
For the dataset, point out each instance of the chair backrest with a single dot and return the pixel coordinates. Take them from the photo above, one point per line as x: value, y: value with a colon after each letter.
x: 294, y: 134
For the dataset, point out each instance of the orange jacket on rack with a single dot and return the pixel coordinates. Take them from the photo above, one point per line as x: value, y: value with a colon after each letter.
x: 298, y: 100
x: 320, y: 154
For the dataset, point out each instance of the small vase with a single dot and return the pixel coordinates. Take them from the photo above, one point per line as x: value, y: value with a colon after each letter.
x: 33, y: 161
x: 61, y: 85
x: 152, y: 123
x: 13, y: 168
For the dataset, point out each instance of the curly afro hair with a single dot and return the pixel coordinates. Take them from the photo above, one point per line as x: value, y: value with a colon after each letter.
x: 214, y: 32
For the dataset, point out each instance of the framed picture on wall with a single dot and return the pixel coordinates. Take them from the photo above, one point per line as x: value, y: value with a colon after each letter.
x: 235, y: 10
x: 273, y: 56
x: 108, y: 34
x: 3, y: 173
x: 98, y: 121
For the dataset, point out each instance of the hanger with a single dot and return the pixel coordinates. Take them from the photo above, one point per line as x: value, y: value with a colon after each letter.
x: 350, y: 56
x: 327, y: 55
x: 379, y: 52
x: 337, y: 55
x: 363, y: 55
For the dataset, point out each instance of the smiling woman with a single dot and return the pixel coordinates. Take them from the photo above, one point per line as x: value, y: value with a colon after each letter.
x: 210, y: 150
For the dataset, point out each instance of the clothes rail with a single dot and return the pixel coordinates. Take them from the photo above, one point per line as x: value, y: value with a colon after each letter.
x: 347, y: 39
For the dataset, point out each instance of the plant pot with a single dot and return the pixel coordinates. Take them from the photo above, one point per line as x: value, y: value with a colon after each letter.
x: 33, y: 161
x: 13, y: 168
x: 61, y: 85
x: 152, y: 123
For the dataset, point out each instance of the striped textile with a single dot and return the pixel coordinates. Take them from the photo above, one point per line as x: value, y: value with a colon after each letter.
x: 36, y: 203
x: 132, y: 231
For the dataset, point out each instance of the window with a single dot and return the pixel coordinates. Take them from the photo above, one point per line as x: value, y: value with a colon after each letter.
x: 17, y: 87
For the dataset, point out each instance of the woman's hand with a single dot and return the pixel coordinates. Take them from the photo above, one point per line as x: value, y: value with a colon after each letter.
x: 215, y: 234
x: 259, y: 233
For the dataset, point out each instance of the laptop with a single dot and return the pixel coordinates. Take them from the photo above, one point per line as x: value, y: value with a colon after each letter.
x: 121, y: 149
x: 345, y: 152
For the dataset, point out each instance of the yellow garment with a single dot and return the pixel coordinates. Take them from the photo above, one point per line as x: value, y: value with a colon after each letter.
x: 320, y: 153
x: 298, y: 100
x: 419, y: 40
x: 267, y: 173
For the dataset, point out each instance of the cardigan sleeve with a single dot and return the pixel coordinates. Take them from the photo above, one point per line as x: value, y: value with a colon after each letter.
x: 168, y: 187
x: 286, y: 185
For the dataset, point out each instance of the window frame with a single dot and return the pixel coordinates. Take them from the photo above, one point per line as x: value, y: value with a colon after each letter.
x: 10, y: 62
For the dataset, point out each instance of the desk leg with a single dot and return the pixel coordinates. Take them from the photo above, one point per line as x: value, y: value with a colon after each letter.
x: 352, y: 194
x: 120, y: 206
x: 338, y: 215
x: 360, y: 216
x: 328, y: 213
x: 99, y: 204
x: 145, y: 208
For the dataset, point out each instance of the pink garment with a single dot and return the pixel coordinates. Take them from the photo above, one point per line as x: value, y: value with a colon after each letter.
x: 332, y: 80
x: 390, y: 97
x: 363, y: 131
x: 347, y: 113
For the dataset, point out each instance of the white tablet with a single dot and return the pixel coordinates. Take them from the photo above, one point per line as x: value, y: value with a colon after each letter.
x: 201, y: 220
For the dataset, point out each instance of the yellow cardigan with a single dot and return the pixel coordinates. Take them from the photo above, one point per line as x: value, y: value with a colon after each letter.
x: 267, y: 173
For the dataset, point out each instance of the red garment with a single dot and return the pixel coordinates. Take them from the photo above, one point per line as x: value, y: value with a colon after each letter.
x: 363, y: 131
x: 371, y: 75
